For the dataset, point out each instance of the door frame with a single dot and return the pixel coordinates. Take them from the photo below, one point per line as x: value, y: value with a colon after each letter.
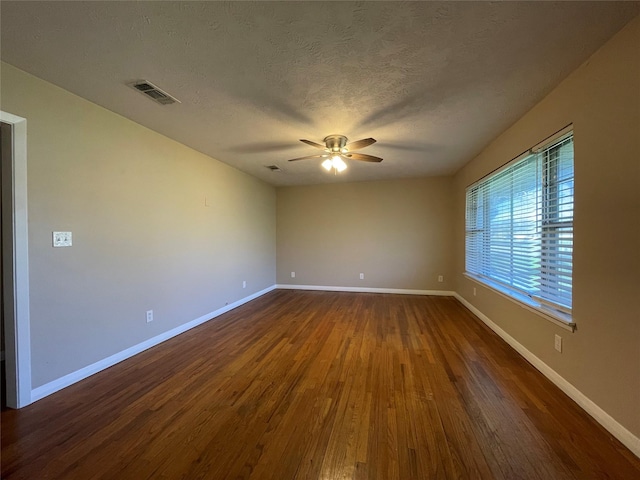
x: 16, y: 270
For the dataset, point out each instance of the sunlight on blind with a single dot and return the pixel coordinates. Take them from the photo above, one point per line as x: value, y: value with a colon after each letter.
x: 519, y: 226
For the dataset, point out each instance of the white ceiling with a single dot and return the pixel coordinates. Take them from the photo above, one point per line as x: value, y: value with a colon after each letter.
x: 433, y: 82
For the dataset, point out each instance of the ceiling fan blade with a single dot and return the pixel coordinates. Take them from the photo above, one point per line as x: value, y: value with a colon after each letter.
x: 310, y: 156
x: 314, y: 144
x: 358, y: 144
x: 363, y: 157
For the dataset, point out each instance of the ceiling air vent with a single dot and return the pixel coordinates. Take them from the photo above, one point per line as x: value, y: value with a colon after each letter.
x: 154, y: 93
x: 274, y: 168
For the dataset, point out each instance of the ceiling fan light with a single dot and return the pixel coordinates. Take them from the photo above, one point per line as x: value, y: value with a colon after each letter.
x: 339, y: 164
x: 327, y: 164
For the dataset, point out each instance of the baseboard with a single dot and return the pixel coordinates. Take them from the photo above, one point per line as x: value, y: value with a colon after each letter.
x: 607, y: 421
x: 603, y: 418
x: 74, y: 377
x: 400, y: 291
x: 47, y: 389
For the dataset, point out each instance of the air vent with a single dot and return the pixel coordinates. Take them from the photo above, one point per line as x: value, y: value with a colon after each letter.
x: 154, y: 93
x: 274, y: 168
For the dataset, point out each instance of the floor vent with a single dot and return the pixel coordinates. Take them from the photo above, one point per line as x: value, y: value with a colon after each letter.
x: 154, y: 93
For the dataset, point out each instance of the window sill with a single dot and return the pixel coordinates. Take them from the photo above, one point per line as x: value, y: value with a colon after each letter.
x: 562, y: 320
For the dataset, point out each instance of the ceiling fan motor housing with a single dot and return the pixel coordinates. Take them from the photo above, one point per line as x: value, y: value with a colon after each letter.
x: 335, y: 143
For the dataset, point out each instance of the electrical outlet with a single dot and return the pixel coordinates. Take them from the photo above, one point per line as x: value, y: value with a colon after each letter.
x: 474, y: 291
x: 149, y: 316
x: 244, y: 284
x: 293, y: 274
x: 558, y: 343
x: 440, y: 278
x: 362, y: 276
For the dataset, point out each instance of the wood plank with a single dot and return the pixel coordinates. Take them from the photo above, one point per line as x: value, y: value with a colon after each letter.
x: 315, y: 385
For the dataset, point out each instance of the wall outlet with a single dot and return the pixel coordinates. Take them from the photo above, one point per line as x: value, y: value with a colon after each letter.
x: 440, y: 278
x: 474, y: 291
x: 362, y: 276
x: 62, y: 239
x: 293, y: 274
x: 149, y: 316
x: 558, y: 343
x: 244, y: 284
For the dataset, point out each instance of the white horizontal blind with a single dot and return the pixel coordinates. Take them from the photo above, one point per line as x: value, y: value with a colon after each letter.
x: 519, y: 226
x: 557, y: 223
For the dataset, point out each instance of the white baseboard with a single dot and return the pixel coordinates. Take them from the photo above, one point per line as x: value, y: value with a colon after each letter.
x: 616, y: 429
x: 603, y: 418
x: 62, y: 382
x: 49, y: 388
x: 400, y: 291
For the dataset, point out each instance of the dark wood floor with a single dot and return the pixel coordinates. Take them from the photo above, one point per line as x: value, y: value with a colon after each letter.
x: 317, y: 385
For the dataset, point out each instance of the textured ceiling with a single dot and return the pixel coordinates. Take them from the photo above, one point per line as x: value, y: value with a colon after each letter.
x: 433, y: 82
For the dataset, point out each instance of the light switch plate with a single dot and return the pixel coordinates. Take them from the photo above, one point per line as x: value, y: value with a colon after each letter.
x: 62, y: 239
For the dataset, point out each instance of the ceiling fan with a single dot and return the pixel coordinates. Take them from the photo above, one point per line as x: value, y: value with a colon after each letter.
x: 336, y: 149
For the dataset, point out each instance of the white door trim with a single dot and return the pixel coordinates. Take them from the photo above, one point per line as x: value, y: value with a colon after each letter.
x: 17, y: 324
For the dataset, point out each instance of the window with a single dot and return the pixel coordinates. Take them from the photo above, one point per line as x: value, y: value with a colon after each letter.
x: 519, y: 227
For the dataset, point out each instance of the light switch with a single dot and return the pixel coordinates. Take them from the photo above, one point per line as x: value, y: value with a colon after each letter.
x: 61, y: 239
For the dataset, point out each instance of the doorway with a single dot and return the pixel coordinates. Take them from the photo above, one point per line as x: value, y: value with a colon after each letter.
x: 16, y: 343
x: 5, y: 152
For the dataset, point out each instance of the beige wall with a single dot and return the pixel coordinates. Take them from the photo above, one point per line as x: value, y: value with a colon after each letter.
x: 602, y: 99
x: 397, y: 232
x: 142, y: 235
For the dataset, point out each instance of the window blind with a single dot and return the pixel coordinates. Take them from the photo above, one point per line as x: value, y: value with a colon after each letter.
x: 519, y: 226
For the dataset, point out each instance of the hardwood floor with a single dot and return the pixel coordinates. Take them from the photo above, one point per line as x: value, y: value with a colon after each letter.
x: 317, y: 385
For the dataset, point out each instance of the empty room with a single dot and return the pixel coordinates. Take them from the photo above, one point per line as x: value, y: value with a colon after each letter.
x: 320, y: 240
